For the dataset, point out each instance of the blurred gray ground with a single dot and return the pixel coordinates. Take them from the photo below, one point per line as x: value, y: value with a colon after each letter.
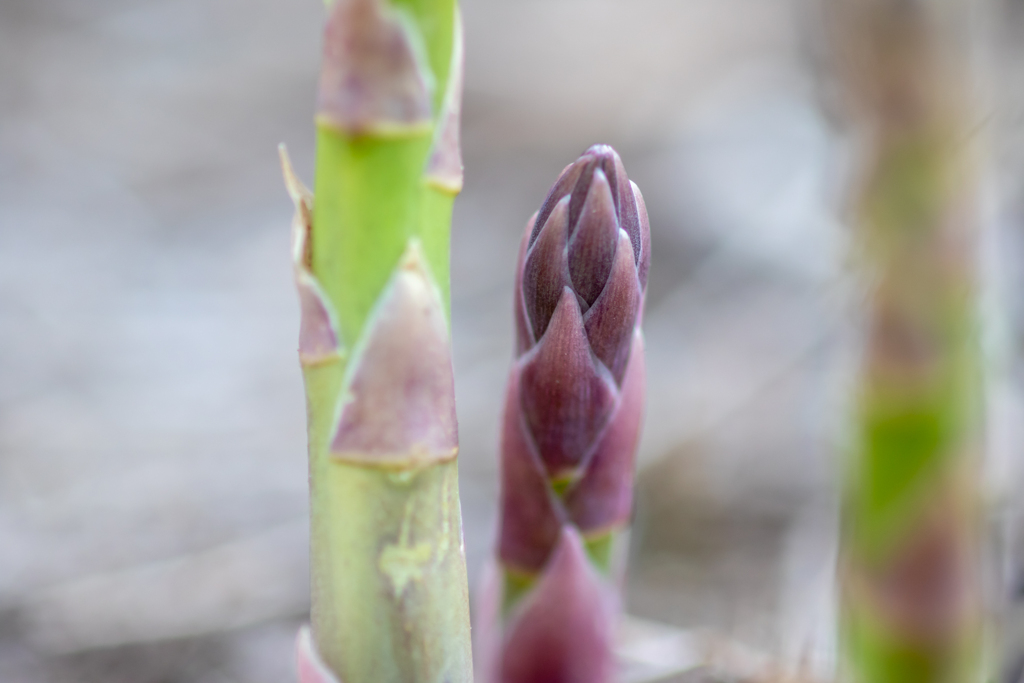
x: 152, y: 448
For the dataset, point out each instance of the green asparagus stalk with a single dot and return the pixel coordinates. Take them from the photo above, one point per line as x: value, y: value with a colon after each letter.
x: 389, y: 600
x: 911, y: 609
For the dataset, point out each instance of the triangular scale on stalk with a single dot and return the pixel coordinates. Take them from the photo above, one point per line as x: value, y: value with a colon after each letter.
x: 401, y: 391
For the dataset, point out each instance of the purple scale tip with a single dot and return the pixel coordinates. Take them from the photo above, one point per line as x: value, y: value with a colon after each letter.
x: 524, y: 331
x: 592, y: 245
x: 444, y: 168
x: 610, y: 321
x: 562, y: 188
x: 622, y: 188
x: 578, y: 196
x: 565, y: 397
x: 546, y: 272
x: 603, y: 497
x: 318, y: 340
x: 369, y: 78
x: 563, y: 631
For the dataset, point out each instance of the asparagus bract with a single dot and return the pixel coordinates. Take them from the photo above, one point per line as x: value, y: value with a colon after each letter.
x: 910, y: 556
x: 572, y: 420
x: 389, y: 599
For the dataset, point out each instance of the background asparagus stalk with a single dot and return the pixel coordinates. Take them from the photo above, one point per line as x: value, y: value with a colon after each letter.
x: 572, y: 420
x: 389, y: 586
x: 910, y: 557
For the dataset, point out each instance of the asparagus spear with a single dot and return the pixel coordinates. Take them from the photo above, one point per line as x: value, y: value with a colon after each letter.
x: 571, y: 425
x: 389, y: 599
x: 910, y: 558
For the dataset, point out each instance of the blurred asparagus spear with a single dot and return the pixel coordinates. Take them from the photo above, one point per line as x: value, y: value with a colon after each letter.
x: 389, y: 599
x: 910, y: 557
x: 572, y: 421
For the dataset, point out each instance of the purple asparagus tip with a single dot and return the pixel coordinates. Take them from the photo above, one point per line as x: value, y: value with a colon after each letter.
x: 576, y: 394
x: 573, y: 411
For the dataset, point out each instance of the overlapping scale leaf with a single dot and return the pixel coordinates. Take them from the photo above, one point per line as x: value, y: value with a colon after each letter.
x: 562, y: 633
x: 566, y: 398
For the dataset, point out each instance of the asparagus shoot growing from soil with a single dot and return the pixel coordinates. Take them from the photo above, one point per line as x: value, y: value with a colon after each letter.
x: 911, y: 606
x: 371, y: 249
x: 572, y: 419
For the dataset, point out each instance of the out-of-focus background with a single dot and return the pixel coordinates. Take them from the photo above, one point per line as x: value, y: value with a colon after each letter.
x: 152, y: 448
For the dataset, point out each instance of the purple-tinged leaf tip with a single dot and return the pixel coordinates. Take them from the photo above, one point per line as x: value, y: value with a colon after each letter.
x: 318, y: 336
x: 565, y: 397
x: 401, y: 404
x: 622, y: 188
x: 579, y: 193
x: 610, y: 321
x: 444, y: 168
x: 592, y: 245
x: 311, y: 667
x: 546, y: 272
x: 524, y: 332
x: 370, y: 81
x: 302, y: 219
x: 562, y: 188
x: 530, y: 517
x: 563, y: 632
x: 607, y: 159
x: 299, y: 193
x: 603, y: 498
x: 625, y: 203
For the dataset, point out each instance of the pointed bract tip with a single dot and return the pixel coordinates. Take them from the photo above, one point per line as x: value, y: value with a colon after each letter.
x: 302, y: 219
x: 602, y: 152
x: 370, y: 79
x: 611, y: 320
x: 298, y: 192
x: 592, y: 245
x: 444, y: 168
x: 569, y: 558
x: 564, y: 630
x: 413, y: 259
x: 562, y: 188
x: 546, y: 271
x: 318, y: 331
x: 524, y: 331
x: 603, y: 498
